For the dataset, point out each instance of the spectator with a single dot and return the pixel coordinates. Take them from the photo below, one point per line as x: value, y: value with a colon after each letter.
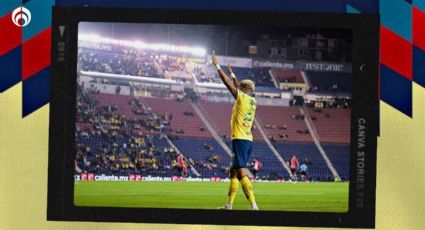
x: 208, y: 146
x: 283, y: 127
x: 180, y: 131
x: 186, y: 113
x: 257, y: 165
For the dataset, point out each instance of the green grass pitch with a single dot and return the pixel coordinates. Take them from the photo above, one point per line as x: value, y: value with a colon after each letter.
x: 310, y: 197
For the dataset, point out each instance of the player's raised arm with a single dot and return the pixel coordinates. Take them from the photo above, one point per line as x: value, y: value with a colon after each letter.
x: 236, y: 83
x: 226, y: 80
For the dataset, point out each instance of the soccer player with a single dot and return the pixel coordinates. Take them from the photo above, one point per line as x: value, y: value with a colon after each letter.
x: 243, y: 113
x: 295, y: 165
x: 303, y: 168
x: 182, y: 165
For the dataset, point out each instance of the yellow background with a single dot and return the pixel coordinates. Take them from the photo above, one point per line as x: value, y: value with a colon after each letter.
x: 23, y: 171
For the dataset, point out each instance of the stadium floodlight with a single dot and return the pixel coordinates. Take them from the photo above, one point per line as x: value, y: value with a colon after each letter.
x: 199, y: 52
x: 89, y: 37
x: 94, y: 38
x: 139, y: 44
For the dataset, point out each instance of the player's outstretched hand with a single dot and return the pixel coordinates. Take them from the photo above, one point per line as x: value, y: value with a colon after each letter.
x: 229, y: 69
x: 214, y: 58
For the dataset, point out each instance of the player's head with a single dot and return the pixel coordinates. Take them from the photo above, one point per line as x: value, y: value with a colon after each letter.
x: 247, y: 86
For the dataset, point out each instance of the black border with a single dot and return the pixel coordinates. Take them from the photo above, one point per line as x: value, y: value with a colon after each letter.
x: 361, y: 212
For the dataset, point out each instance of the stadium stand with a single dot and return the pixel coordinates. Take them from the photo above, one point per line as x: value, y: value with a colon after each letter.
x: 184, y: 117
x: 107, y: 142
x: 278, y: 121
x: 206, y: 73
x: 260, y: 76
x: 121, y: 155
x: 272, y: 168
x: 332, y: 125
x: 208, y: 156
x: 287, y: 76
x: 309, y: 154
x: 340, y: 157
x: 122, y: 109
x: 327, y: 81
x: 130, y: 63
x: 151, y: 64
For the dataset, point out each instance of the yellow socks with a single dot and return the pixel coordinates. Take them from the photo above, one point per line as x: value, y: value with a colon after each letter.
x: 249, y: 192
x: 247, y: 189
x: 233, y: 188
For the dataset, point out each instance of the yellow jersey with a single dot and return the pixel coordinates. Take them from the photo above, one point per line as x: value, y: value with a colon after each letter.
x: 243, y: 113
